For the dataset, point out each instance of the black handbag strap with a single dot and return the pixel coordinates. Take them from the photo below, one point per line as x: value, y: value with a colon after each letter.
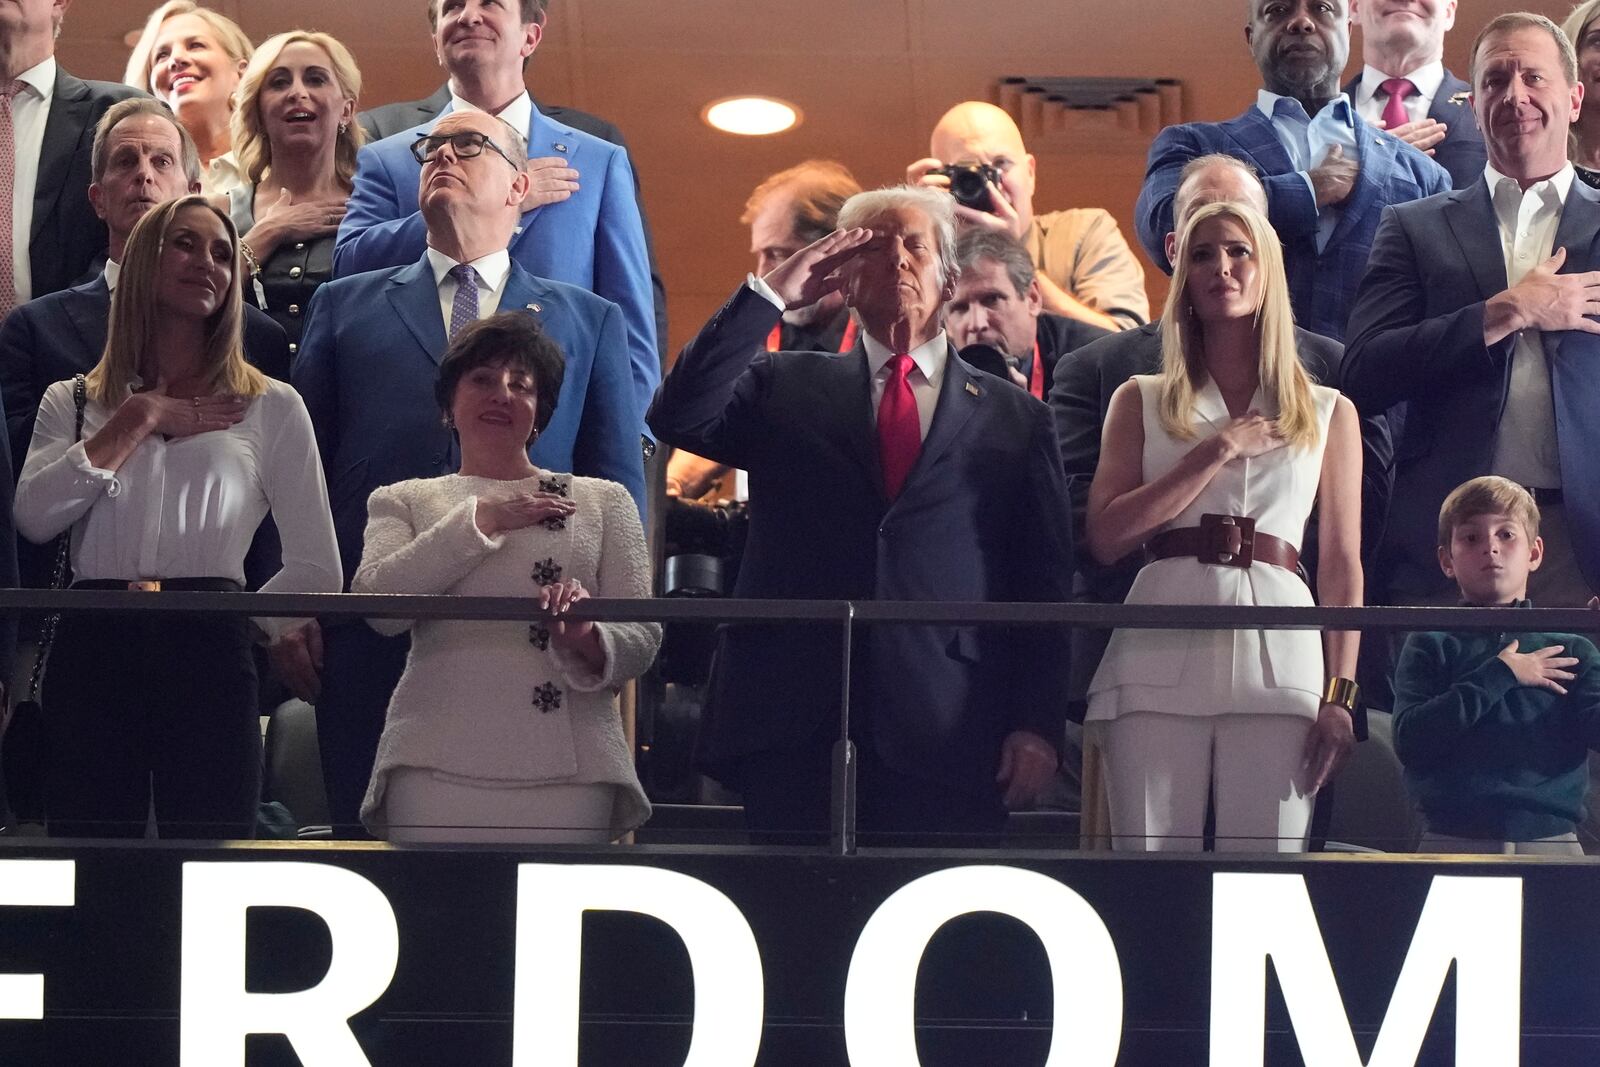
x: 58, y: 576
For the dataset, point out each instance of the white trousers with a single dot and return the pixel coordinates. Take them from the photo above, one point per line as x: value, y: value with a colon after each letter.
x: 421, y: 808
x: 1161, y: 768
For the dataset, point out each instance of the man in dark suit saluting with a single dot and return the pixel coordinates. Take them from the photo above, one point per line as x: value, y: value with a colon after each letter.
x: 893, y: 472
x: 1478, y: 313
x: 1404, y: 87
x: 48, y: 235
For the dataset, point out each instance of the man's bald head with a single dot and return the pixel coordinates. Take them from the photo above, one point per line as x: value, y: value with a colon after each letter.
x: 977, y: 132
x: 1213, y: 179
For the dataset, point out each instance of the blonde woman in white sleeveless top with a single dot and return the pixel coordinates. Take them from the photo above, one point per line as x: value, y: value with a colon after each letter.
x: 1214, y: 466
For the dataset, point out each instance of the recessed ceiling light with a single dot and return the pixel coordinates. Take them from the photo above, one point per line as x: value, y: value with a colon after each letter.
x: 751, y: 116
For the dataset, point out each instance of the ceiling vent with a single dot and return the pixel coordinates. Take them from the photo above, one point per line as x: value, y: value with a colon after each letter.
x: 1137, y: 108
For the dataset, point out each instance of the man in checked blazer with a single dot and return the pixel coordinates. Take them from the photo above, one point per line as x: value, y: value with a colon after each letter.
x: 953, y: 491
x: 1328, y: 174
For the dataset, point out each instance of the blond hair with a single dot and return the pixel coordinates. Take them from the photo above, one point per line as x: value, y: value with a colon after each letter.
x: 1489, y: 495
x: 250, y: 143
x: 140, y: 70
x: 1183, y: 371
x: 136, y: 308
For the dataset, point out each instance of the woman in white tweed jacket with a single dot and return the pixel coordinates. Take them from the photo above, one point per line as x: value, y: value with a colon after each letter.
x: 503, y: 731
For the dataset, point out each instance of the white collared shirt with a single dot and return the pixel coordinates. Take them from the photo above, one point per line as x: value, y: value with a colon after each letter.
x: 30, y: 109
x: 1370, y: 100
x: 493, y: 270
x: 925, y: 377
x: 1525, y: 449
x: 222, y: 175
x: 113, y: 272
x: 1307, y: 138
x: 518, y: 114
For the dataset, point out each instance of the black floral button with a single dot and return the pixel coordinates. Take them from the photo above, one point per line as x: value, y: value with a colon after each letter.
x: 547, y: 572
x: 539, y: 637
x: 547, y: 697
x: 559, y: 487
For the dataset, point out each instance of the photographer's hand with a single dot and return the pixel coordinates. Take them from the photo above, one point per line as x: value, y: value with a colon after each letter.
x: 922, y: 173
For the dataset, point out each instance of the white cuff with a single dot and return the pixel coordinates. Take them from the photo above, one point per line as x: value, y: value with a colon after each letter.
x: 766, y: 291
x: 78, y: 456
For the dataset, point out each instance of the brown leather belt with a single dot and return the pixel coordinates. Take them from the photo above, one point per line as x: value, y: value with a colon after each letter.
x: 1225, y: 540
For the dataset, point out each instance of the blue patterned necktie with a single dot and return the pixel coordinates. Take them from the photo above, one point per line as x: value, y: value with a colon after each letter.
x: 464, y: 308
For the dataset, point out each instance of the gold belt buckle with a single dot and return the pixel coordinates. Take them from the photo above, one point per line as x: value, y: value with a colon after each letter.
x: 151, y: 586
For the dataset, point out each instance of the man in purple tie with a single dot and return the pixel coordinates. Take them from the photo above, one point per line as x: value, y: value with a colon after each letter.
x: 892, y: 472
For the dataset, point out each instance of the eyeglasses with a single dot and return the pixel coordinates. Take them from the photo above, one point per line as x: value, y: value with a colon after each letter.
x: 463, y: 145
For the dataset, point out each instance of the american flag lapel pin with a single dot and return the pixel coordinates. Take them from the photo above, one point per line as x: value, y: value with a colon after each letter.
x: 973, y: 389
x: 535, y: 308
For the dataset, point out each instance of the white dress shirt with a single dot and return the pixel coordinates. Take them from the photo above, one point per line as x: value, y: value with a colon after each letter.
x: 518, y: 114
x: 1307, y: 138
x: 30, y: 108
x: 185, y: 507
x: 1525, y: 450
x: 113, y: 272
x: 1370, y: 100
x: 926, y: 375
x: 493, y: 270
x: 222, y: 175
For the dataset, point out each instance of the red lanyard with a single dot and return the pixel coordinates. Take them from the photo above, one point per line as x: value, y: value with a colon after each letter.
x: 1036, y: 381
x: 846, y: 343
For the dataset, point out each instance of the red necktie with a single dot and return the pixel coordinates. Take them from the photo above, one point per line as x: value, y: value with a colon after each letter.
x: 8, y: 176
x: 1394, y: 112
x: 899, y: 428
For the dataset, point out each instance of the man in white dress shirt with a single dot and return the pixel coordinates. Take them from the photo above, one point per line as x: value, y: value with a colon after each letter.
x: 49, y: 237
x: 1404, y: 87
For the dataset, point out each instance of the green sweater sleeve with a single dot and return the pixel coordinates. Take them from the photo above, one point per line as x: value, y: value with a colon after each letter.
x: 1583, y: 693
x: 1434, y: 705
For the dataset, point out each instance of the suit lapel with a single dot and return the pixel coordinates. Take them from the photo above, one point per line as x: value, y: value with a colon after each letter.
x: 1254, y: 134
x: 545, y: 138
x: 959, y: 396
x: 1450, y: 104
x: 89, y: 314
x: 415, y: 299
x: 1470, y: 216
x: 848, y: 385
x: 1376, y: 151
x: 1576, y: 232
x: 70, y: 105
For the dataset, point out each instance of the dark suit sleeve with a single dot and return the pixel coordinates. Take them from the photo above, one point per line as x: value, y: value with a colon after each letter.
x: 17, y: 346
x: 608, y: 435
x: 9, y: 576
x: 266, y: 346
x: 1395, y: 352
x: 1075, y: 408
x: 1045, y: 672
x: 710, y: 404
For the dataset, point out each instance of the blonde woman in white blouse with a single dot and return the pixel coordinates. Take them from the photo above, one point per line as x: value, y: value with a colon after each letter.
x: 504, y: 731
x: 185, y: 449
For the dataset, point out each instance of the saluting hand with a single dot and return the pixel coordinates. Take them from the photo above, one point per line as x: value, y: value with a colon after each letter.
x: 814, y: 271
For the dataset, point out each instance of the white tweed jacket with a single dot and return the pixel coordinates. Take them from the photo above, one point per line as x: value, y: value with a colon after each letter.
x: 494, y: 703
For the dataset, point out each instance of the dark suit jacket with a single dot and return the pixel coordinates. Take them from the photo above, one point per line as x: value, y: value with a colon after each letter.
x: 1058, y: 335
x: 54, y: 337
x: 369, y: 359
x: 982, y: 517
x: 66, y: 234
x: 1322, y: 285
x: 1462, y: 151
x: 391, y: 119
x: 1416, y: 337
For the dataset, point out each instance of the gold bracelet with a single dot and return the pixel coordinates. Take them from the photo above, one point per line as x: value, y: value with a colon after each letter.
x: 1343, y: 692
x: 250, y: 258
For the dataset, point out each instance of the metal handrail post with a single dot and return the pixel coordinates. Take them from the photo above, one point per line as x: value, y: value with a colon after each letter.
x: 843, y: 776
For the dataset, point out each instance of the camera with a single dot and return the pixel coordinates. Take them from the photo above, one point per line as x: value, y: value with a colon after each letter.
x: 969, y: 184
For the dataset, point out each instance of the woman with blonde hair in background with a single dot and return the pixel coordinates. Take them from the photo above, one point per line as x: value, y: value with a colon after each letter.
x: 295, y: 138
x: 191, y: 58
x: 1214, y: 466
x: 183, y: 450
x: 1583, y: 142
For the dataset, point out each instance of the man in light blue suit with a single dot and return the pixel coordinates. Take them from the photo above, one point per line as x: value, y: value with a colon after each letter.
x: 367, y: 367
x: 1328, y: 174
x: 580, y: 220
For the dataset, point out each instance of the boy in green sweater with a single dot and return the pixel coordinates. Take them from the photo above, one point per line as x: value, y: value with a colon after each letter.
x: 1494, y: 730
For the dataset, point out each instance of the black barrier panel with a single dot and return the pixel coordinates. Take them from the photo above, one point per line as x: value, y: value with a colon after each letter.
x: 984, y: 995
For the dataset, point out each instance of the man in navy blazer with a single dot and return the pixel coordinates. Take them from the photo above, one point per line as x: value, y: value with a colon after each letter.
x: 1402, y: 48
x: 1493, y: 352
x: 580, y: 222
x: 367, y: 367
x: 1328, y: 174
x: 954, y: 724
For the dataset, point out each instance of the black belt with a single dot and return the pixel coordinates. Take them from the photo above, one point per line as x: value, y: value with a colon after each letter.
x: 1544, y: 497
x: 156, y: 585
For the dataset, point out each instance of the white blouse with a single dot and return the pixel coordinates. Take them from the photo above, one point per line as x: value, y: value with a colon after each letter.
x: 187, y: 507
